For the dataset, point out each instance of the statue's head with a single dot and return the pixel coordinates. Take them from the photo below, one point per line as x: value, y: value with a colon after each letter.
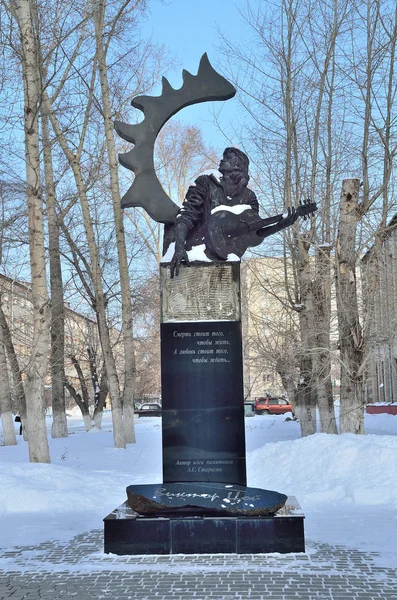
x: 235, y: 164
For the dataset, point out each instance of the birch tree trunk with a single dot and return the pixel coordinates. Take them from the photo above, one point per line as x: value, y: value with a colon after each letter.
x: 5, y: 398
x: 284, y: 370
x: 59, y: 427
x: 18, y: 390
x: 99, y: 8
x: 73, y: 158
x: 82, y: 404
x: 108, y: 357
x: 350, y: 333
x: 305, y: 399
x: 100, y: 388
x: 37, y: 368
x: 305, y: 403
x: 98, y: 411
x: 322, y: 356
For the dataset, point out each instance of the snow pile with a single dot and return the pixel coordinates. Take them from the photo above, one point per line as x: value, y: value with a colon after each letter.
x: 329, y: 469
x: 346, y: 485
x: 169, y: 254
x: 236, y: 209
x: 197, y: 253
x: 39, y: 487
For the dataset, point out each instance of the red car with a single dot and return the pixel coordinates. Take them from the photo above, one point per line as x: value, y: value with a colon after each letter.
x: 272, y: 406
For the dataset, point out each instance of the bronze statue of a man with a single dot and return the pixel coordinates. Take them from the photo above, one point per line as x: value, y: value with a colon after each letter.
x: 221, y: 214
x: 196, y: 222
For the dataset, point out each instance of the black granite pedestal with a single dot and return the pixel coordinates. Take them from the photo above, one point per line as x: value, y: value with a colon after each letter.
x: 203, y: 402
x: 203, y: 505
x: 127, y: 532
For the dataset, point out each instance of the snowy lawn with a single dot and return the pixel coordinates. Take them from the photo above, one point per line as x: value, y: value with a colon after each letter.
x: 346, y: 485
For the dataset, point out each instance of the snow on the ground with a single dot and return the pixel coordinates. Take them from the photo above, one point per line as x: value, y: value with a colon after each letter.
x: 346, y: 484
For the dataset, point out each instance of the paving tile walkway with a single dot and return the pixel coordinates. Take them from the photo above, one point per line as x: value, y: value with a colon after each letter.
x: 79, y: 569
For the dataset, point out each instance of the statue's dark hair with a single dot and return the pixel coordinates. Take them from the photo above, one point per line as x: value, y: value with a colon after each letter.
x: 243, y: 160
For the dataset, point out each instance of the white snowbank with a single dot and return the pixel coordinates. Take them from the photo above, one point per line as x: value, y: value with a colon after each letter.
x: 346, y: 485
x: 330, y: 469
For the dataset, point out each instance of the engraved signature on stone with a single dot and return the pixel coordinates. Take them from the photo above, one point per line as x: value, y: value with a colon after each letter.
x: 233, y: 497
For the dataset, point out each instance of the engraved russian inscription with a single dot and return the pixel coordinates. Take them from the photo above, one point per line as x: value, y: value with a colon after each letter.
x: 203, y: 404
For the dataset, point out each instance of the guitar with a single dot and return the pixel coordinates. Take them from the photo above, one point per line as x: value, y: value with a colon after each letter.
x: 229, y: 233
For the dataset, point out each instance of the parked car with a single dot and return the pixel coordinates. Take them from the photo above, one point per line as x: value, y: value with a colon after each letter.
x: 272, y: 406
x: 149, y: 409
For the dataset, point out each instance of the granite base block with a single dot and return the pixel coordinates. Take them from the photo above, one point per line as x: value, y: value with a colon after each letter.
x: 127, y: 532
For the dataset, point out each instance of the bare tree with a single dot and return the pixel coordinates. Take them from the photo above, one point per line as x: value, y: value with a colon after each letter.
x: 322, y: 353
x: 313, y: 114
x: 82, y: 399
x: 99, y: 386
x: 74, y: 158
x: 18, y: 389
x: 372, y: 70
x: 102, y: 27
x: 37, y: 368
x: 5, y: 397
x: 12, y: 218
x: 81, y: 395
x: 146, y: 308
x: 181, y: 156
x: 350, y: 331
x: 76, y: 44
x: 59, y: 423
x: 101, y: 31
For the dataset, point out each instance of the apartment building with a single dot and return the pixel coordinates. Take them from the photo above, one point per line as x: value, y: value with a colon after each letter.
x: 81, y: 331
x: 379, y: 275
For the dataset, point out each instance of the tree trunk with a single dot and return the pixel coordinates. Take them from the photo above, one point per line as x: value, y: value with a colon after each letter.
x: 305, y: 401
x: 100, y: 389
x: 37, y: 368
x: 104, y: 336
x: 285, y: 370
x: 322, y: 354
x: 128, y: 340
x: 113, y: 380
x: 18, y: 390
x: 5, y: 398
x: 97, y: 418
x: 103, y: 392
x: 351, y: 341
x: 81, y: 404
x: 59, y: 427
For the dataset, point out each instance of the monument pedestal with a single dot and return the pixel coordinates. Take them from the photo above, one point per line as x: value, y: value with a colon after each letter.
x: 127, y: 533
x: 202, y: 374
x: 203, y: 430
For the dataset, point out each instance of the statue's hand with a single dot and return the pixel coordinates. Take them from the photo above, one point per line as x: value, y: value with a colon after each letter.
x: 179, y: 257
x: 289, y: 218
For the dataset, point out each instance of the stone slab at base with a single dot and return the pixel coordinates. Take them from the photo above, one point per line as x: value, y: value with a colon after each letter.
x: 128, y: 533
